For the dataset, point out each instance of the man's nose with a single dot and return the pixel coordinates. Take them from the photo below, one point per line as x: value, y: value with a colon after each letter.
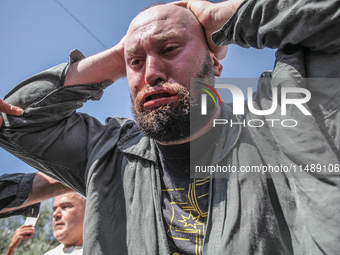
x: 155, y: 71
x: 56, y: 213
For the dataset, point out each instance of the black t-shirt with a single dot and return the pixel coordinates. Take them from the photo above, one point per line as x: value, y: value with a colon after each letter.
x: 184, y: 199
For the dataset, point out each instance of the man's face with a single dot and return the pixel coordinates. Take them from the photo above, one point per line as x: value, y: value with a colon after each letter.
x: 68, y: 218
x: 165, y: 47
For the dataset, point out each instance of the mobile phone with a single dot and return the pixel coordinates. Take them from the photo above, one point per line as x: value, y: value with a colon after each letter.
x: 31, y: 221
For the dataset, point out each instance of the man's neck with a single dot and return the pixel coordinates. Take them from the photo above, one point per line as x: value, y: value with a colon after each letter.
x: 200, y: 132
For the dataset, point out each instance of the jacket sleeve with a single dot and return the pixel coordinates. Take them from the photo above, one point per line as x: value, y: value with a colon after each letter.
x: 14, y: 191
x: 50, y: 135
x: 281, y: 23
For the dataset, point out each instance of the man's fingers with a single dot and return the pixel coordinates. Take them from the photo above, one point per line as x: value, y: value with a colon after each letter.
x: 9, y: 109
x: 180, y: 3
x: 24, y: 232
x: 203, y: 11
x: 27, y: 236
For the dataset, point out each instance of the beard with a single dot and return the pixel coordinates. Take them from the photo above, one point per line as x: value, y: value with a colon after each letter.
x: 166, y: 123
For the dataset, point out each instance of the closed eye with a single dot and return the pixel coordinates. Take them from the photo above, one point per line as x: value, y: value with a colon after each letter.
x: 169, y: 49
x: 135, y: 62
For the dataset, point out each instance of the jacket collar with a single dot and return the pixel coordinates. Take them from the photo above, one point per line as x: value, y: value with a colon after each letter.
x: 136, y: 143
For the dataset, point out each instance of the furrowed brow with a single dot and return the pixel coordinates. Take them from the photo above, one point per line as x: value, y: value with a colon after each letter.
x: 131, y: 51
x: 162, y: 37
x: 167, y: 36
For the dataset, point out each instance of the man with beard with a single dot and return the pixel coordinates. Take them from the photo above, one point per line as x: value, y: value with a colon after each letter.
x: 140, y: 198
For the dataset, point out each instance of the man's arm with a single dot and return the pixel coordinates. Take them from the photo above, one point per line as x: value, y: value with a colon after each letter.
x: 277, y: 23
x: 280, y: 24
x: 39, y: 137
x: 42, y: 188
x: 108, y: 65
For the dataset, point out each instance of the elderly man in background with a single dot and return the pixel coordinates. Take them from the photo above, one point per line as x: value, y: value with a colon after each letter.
x: 67, y: 224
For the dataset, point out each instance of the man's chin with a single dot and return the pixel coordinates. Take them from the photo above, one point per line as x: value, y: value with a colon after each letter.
x: 59, y: 235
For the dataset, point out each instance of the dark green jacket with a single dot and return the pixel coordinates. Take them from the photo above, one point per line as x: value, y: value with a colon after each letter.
x: 116, y: 166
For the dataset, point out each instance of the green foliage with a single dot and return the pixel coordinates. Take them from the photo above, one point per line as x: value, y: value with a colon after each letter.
x: 43, y: 239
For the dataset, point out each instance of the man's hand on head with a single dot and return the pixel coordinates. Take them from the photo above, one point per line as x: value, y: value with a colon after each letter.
x: 9, y: 109
x: 212, y: 16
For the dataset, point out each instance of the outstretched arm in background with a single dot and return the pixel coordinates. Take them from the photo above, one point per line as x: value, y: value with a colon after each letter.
x: 43, y: 187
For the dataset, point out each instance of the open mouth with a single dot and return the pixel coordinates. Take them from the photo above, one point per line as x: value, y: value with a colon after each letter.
x: 157, y: 98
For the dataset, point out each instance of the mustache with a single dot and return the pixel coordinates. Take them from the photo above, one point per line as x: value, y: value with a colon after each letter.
x: 162, y: 84
x: 174, y: 87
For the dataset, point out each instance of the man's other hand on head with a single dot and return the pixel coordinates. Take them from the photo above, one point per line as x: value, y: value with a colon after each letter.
x: 212, y: 16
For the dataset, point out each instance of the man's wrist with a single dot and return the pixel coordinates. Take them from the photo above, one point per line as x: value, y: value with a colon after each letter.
x: 14, y: 244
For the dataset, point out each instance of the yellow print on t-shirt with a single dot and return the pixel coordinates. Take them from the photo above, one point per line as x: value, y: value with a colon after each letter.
x: 193, y: 219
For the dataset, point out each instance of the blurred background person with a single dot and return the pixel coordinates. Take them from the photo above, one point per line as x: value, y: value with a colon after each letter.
x: 67, y: 225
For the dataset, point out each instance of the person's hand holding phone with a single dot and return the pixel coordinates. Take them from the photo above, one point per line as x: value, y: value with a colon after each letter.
x: 23, y: 233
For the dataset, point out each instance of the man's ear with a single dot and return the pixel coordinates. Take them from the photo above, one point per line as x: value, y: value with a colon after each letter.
x: 217, y: 65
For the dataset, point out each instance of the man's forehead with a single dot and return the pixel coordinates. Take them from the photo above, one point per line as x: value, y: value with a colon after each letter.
x: 66, y: 198
x: 157, y: 38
